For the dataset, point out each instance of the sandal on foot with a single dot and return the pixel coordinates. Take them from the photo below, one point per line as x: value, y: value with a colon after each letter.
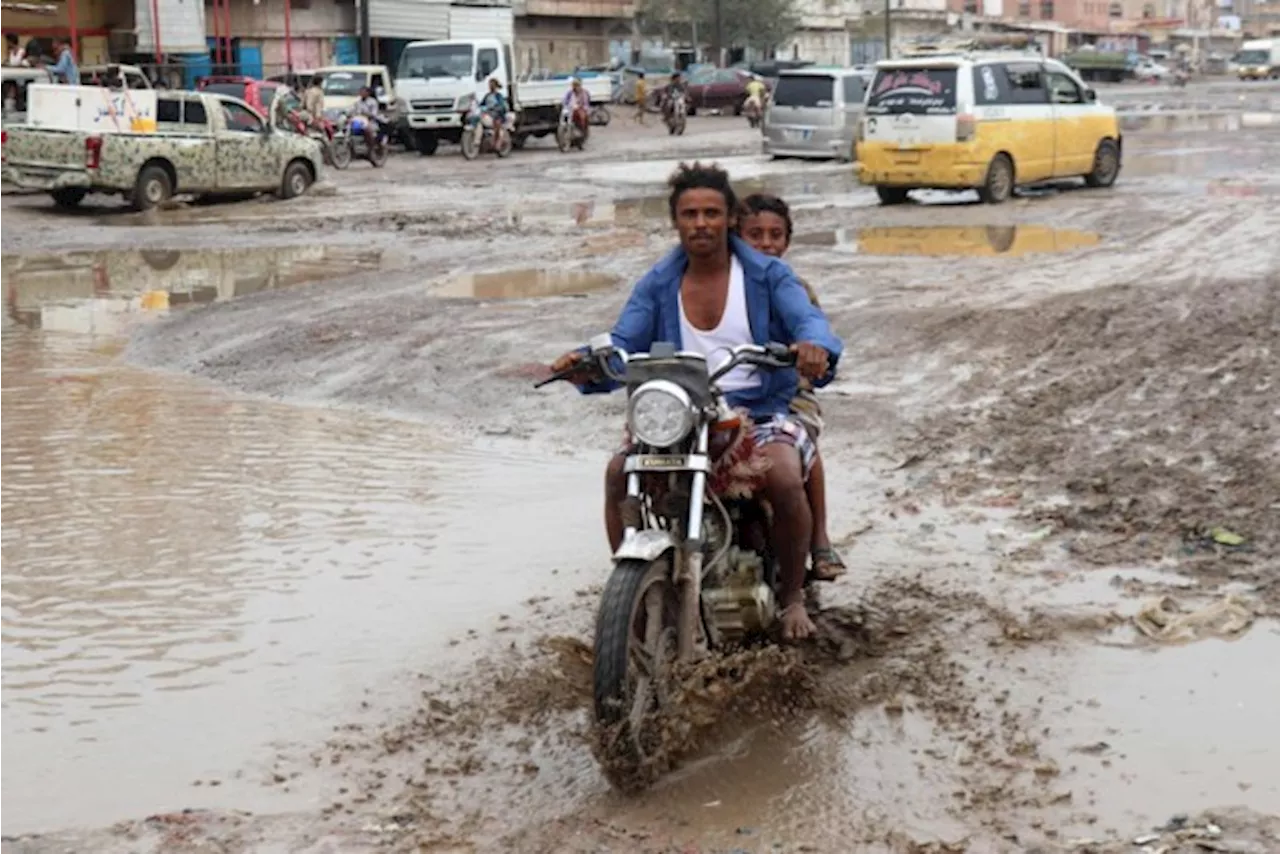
x: 827, y: 564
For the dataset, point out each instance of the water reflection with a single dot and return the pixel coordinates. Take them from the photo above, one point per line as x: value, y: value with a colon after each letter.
x: 1010, y: 240
x: 523, y: 284
x: 189, y: 576
x: 96, y: 292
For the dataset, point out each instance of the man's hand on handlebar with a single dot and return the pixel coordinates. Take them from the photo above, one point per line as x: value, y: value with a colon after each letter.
x: 812, y: 361
x: 574, y: 366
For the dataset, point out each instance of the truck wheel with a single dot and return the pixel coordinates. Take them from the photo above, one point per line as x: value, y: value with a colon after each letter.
x: 892, y: 195
x: 427, y: 143
x: 152, y: 188
x: 69, y: 197
x: 998, y: 186
x: 1106, y: 165
x: 297, y: 178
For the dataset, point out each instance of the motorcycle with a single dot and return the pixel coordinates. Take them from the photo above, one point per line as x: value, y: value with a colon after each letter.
x: 695, y: 572
x: 335, y: 153
x: 600, y: 115
x: 1180, y: 78
x: 570, y: 134
x: 358, y: 144
x: 676, y: 116
x: 753, y: 111
x: 486, y: 135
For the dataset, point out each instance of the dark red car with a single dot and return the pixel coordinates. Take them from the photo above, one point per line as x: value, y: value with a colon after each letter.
x: 720, y: 88
x: 256, y: 93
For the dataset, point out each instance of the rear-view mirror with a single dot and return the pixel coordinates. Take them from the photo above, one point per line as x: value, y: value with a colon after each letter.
x: 1090, y: 95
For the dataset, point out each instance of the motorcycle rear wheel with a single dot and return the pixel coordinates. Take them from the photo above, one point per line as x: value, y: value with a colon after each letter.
x: 633, y: 658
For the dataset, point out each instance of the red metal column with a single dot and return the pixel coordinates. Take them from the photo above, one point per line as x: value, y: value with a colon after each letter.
x: 226, y: 30
x: 155, y: 31
x: 288, y: 38
x: 217, y: 38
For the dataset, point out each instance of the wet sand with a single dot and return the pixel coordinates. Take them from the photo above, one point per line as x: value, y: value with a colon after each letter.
x: 286, y: 531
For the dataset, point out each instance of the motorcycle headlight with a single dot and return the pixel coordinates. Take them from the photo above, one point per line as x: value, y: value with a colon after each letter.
x: 660, y: 413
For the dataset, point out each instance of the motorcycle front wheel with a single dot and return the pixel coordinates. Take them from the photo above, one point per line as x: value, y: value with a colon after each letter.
x: 470, y: 148
x: 340, y: 153
x: 563, y: 135
x: 635, y: 648
x: 377, y: 155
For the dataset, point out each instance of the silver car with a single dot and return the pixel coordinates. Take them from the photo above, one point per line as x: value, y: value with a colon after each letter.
x: 814, y: 112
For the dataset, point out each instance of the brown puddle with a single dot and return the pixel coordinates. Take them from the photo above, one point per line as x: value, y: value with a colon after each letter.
x: 522, y: 284
x: 1011, y: 240
x: 96, y: 291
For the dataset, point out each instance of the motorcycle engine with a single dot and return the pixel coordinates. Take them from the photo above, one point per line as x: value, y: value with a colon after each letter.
x: 739, y: 604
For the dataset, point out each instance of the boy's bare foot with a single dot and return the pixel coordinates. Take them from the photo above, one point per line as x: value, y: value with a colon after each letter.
x: 796, y: 624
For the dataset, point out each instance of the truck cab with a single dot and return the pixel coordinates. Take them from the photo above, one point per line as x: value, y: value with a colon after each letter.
x: 1259, y: 60
x: 436, y: 81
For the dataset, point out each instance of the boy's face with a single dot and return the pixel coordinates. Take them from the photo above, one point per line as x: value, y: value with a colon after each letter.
x: 766, y: 232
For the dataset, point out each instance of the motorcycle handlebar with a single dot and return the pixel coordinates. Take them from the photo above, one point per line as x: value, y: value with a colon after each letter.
x: 773, y: 356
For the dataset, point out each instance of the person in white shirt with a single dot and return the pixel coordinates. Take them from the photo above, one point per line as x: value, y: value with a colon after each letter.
x: 16, y: 56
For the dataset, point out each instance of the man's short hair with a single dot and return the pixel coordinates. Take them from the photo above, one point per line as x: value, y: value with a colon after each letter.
x: 699, y: 177
x: 317, y: 79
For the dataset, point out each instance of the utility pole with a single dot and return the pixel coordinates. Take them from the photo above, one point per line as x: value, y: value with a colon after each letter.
x: 888, y: 32
x: 719, y: 45
x: 366, y: 43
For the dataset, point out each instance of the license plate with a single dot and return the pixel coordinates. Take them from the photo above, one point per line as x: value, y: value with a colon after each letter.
x: 799, y: 135
x: 652, y: 461
x: 907, y: 157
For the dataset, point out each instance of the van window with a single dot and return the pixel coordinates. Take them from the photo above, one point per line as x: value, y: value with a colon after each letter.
x: 342, y: 83
x: 486, y: 62
x: 913, y: 90
x: 852, y: 90
x: 1026, y: 83
x: 990, y: 84
x: 804, y: 90
x: 1063, y: 89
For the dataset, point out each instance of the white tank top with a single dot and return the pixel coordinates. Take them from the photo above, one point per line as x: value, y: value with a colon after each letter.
x: 734, y: 329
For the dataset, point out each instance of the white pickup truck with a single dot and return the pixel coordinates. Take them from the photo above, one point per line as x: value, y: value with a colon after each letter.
x: 147, y: 146
x: 437, y: 80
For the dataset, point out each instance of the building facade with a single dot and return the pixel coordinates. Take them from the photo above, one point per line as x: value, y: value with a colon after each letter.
x: 557, y: 36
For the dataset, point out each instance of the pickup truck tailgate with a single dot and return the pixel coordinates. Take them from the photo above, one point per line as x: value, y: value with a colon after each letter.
x: 56, y: 148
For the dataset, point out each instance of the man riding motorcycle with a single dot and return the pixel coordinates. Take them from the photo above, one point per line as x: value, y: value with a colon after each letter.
x: 494, y: 109
x: 673, y: 90
x: 367, y: 108
x: 578, y: 104
x: 313, y: 104
x: 708, y: 295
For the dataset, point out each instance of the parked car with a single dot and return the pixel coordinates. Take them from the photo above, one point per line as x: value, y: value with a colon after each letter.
x: 256, y: 93
x: 719, y: 89
x: 814, y: 112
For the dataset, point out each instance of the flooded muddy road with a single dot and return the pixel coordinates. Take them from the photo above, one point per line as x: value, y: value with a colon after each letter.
x: 296, y: 560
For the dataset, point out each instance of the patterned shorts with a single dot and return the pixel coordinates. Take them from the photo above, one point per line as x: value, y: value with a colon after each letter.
x: 787, y: 429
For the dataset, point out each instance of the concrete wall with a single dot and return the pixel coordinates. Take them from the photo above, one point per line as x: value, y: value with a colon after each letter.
x: 266, y: 19
x: 825, y: 47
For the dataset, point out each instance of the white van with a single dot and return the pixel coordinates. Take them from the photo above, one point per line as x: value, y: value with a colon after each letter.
x: 814, y: 112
